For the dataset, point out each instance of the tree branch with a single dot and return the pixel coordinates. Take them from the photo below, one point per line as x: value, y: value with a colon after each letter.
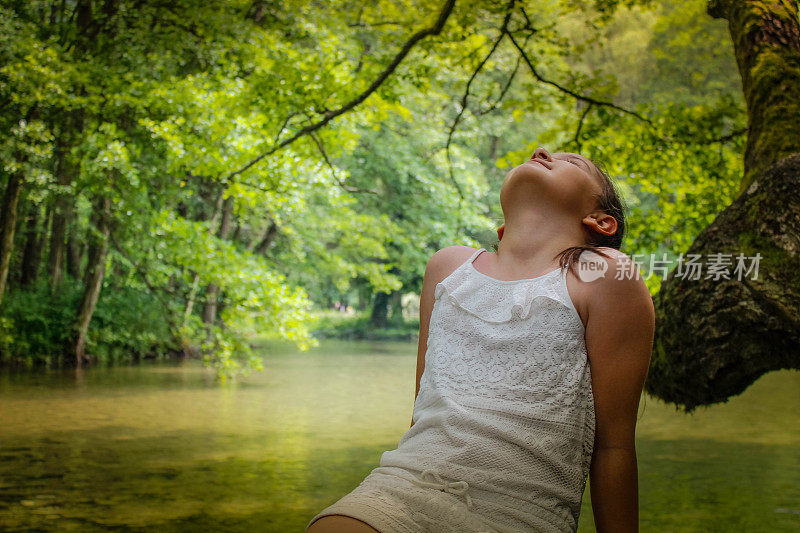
x: 343, y: 185
x: 465, y: 97
x: 570, y: 92
x: 504, y: 90
x: 436, y: 29
x: 577, y: 139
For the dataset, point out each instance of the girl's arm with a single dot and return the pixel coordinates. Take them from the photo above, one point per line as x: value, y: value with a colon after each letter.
x: 440, y: 265
x: 619, y: 340
x: 426, y: 301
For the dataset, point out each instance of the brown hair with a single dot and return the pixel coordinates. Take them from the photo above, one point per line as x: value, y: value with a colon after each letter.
x: 609, y: 201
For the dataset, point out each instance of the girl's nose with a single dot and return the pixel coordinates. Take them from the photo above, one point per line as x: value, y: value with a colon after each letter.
x: 542, y: 153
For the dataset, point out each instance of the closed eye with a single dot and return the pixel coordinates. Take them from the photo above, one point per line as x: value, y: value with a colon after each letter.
x: 574, y: 160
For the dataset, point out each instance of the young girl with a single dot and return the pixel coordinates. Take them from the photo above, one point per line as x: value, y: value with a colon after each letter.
x: 530, y: 367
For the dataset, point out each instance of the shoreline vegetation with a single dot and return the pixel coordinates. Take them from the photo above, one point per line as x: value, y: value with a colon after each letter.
x: 328, y: 324
x: 333, y: 325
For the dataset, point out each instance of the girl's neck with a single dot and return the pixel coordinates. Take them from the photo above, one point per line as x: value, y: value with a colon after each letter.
x: 534, y: 248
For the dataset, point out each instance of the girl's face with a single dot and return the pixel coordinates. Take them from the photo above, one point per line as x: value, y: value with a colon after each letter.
x: 562, y: 180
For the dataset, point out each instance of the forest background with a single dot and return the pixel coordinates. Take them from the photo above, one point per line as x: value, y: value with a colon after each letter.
x: 184, y: 177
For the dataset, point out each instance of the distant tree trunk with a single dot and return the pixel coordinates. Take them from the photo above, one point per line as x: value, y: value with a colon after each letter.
x: 261, y: 246
x: 8, y: 223
x: 212, y: 290
x: 94, y: 278
x: 74, y: 253
x: 67, y: 166
x: 66, y: 172
x: 493, y: 145
x: 379, y: 316
x: 716, y: 337
x: 396, y: 302
x: 217, y: 213
x: 32, y: 254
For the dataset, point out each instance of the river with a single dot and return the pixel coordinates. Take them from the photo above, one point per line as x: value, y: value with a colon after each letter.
x: 161, y: 445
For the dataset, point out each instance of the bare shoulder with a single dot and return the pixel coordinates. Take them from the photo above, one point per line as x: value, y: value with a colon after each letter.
x: 445, y: 261
x: 621, y: 287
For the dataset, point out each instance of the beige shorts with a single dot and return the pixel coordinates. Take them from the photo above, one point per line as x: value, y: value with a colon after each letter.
x: 396, y: 500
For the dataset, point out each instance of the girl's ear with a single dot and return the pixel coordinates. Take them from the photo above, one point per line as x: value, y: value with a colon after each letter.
x: 602, y: 223
x: 500, y: 231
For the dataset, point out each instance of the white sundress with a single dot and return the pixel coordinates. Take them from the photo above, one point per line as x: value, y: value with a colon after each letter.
x: 504, y: 419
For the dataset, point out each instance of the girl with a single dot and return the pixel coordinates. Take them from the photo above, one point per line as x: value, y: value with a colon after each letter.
x: 530, y: 367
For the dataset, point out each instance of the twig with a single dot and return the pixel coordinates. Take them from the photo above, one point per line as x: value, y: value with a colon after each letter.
x: 465, y: 97
x: 343, y: 185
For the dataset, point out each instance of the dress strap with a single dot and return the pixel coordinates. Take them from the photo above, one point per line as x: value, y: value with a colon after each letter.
x: 475, y: 255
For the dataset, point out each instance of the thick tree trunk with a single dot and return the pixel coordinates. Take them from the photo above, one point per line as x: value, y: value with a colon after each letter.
x: 766, y: 41
x: 715, y: 337
x: 93, y: 280
x: 8, y: 223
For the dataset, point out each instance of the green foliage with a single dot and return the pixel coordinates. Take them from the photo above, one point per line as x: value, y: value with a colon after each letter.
x: 358, y: 327
x: 128, y: 324
x: 36, y: 325
x: 177, y: 112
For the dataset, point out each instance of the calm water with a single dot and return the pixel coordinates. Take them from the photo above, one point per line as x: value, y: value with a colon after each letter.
x: 164, y: 446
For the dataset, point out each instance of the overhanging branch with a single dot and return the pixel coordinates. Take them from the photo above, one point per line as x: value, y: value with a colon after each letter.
x: 566, y: 90
x: 435, y: 29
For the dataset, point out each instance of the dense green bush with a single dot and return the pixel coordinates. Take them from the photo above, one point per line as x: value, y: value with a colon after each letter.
x: 36, y: 324
x: 128, y: 324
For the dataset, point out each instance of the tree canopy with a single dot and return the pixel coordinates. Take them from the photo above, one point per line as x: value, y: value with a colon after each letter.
x: 182, y: 175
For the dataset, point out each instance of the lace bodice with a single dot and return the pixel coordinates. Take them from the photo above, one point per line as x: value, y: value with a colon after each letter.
x: 505, y: 401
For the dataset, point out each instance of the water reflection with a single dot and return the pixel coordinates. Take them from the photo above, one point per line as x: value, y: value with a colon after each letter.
x: 163, y: 445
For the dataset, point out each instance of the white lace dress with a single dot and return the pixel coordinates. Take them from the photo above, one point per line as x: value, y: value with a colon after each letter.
x: 504, y: 419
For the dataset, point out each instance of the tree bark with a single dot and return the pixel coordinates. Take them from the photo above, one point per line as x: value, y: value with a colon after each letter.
x: 766, y: 42
x: 93, y: 280
x: 715, y: 337
x: 8, y: 223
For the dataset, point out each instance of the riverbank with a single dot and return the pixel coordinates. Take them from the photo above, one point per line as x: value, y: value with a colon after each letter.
x: 334, y: 325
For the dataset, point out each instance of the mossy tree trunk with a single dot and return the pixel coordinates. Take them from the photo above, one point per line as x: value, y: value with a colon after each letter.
x: 715, y: 337
x: 766, y: 41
